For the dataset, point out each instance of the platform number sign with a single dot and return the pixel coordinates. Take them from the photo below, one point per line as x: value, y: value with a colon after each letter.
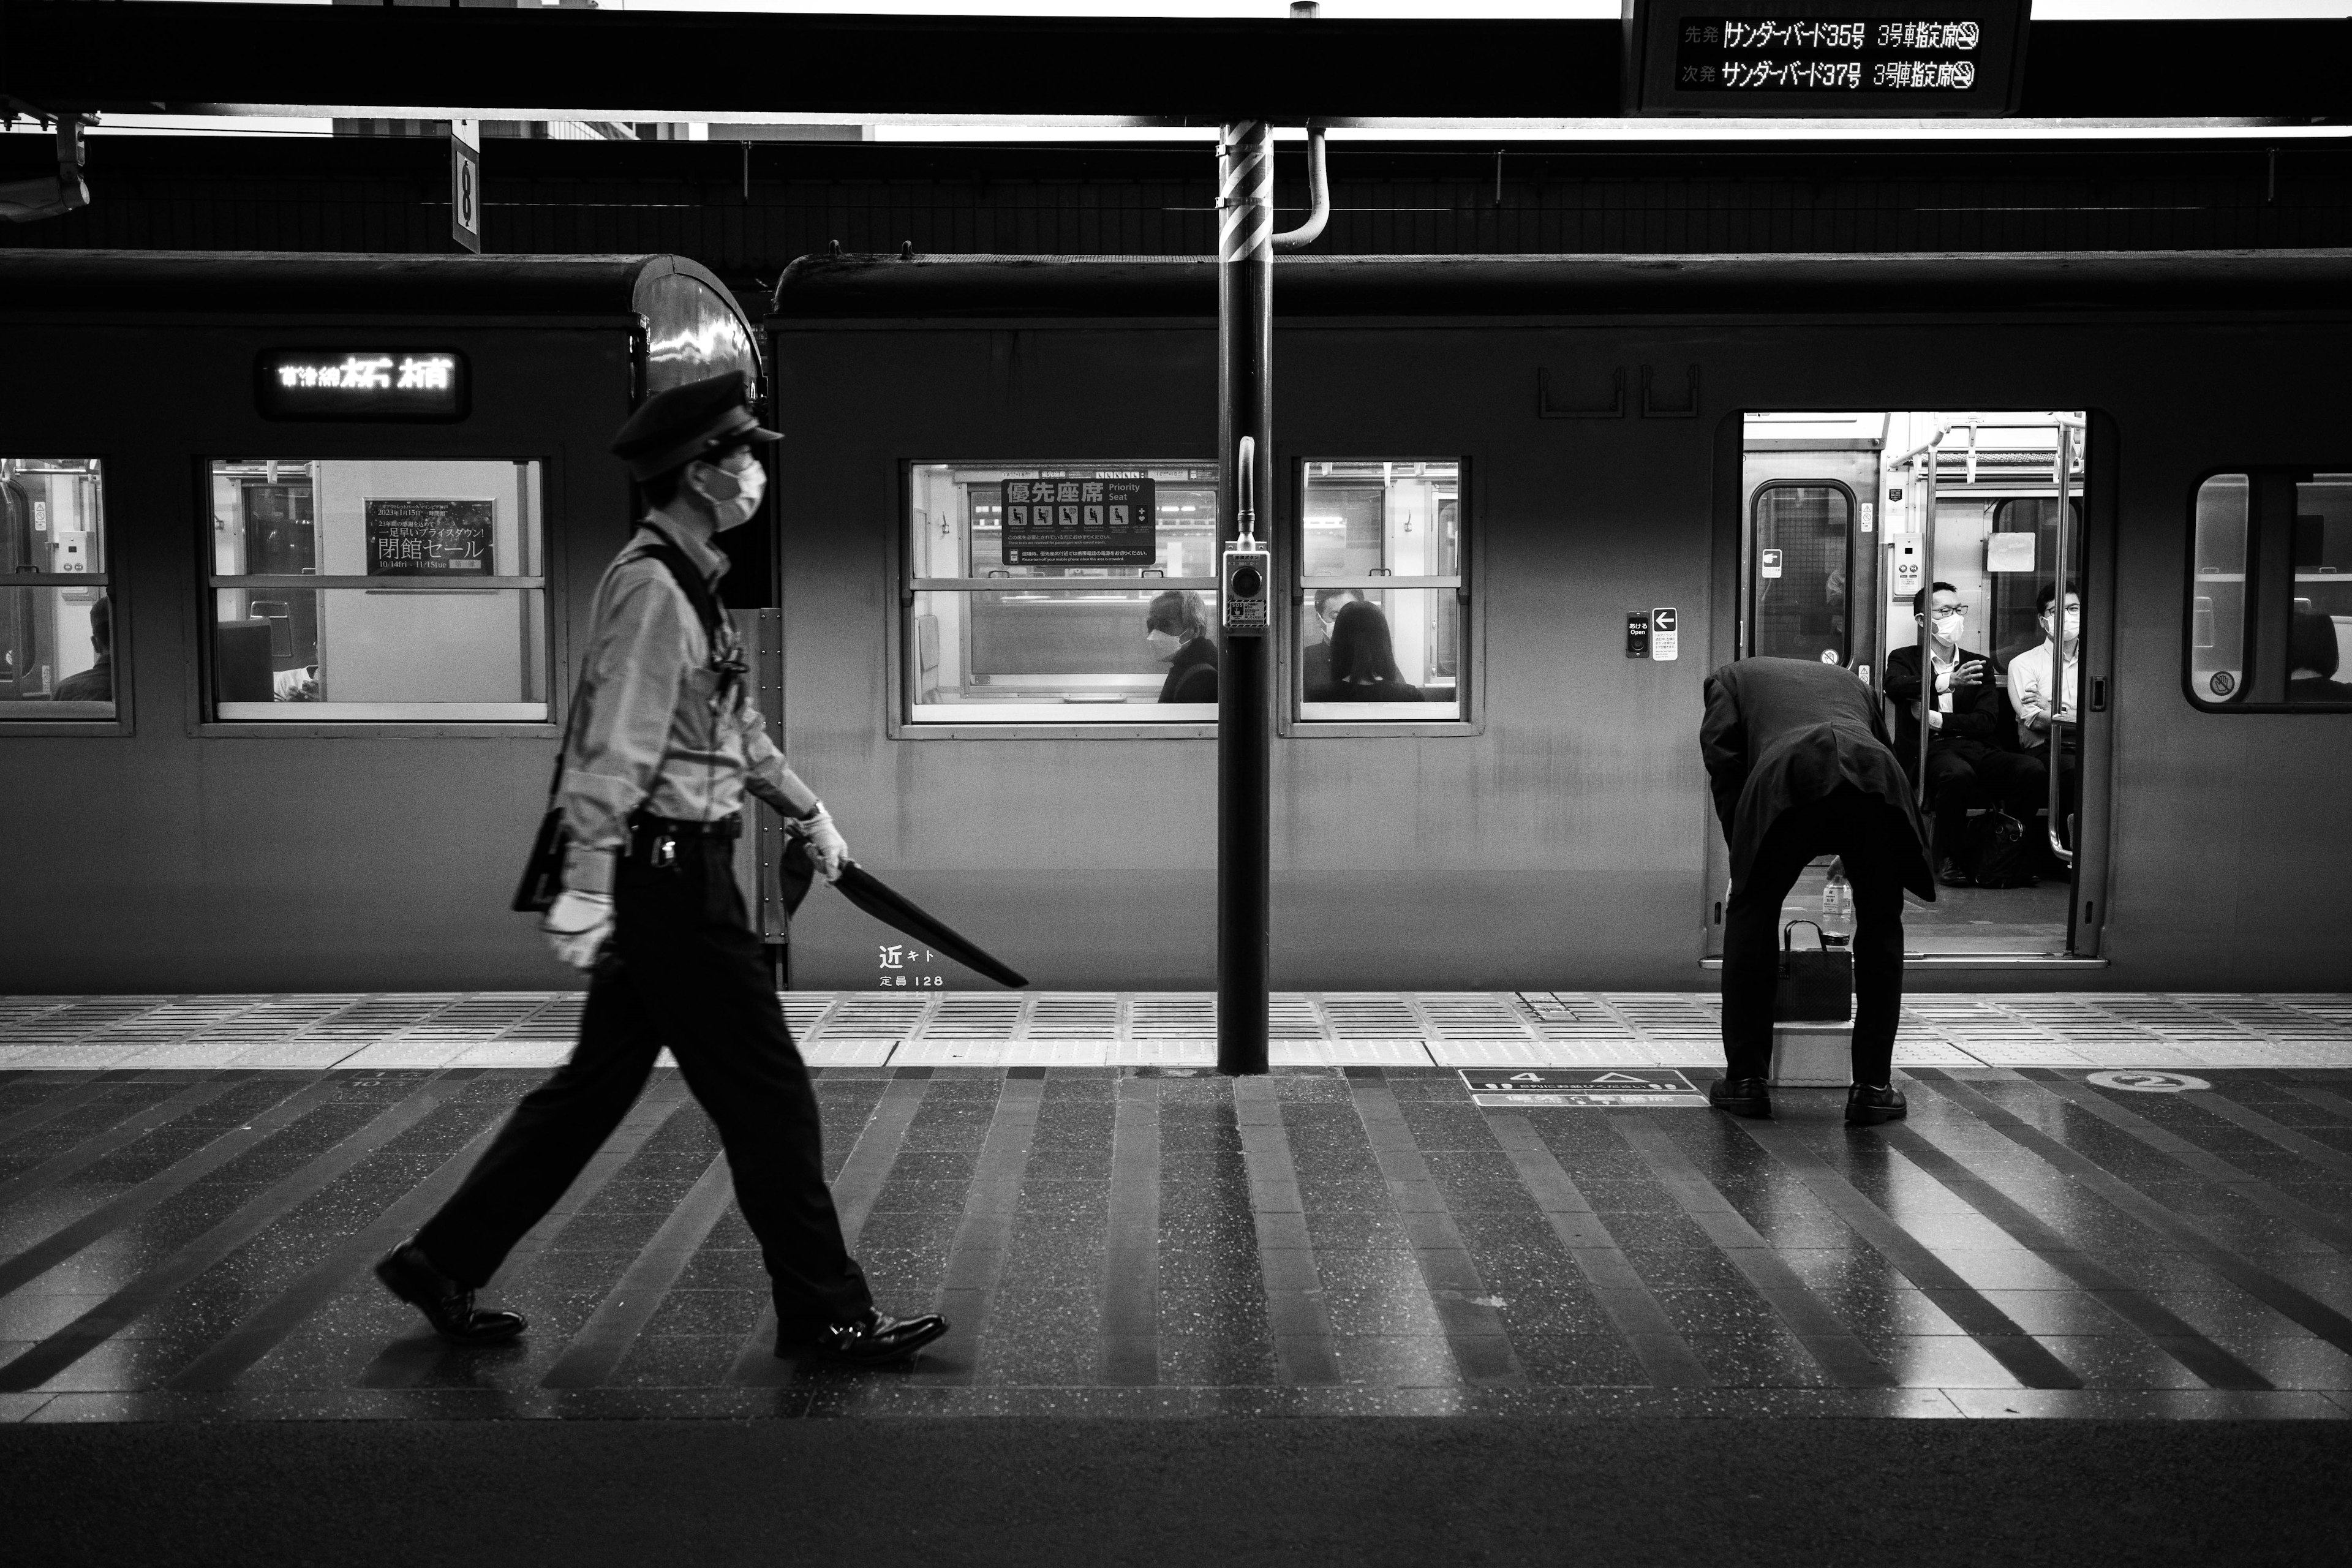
x: 466, y: 184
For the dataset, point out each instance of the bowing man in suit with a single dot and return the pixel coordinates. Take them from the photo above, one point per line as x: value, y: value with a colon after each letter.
x: 1799, y: 767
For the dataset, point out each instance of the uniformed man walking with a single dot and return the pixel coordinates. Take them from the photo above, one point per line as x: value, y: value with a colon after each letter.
x: 662, y: 747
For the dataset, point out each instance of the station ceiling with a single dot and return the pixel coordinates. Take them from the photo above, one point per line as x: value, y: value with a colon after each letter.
x: 407, y: 60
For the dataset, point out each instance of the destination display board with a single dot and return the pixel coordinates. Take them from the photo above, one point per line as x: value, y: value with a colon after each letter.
x: 360, y: 384
x: 1081, y: 519
x: 1824, y: 58
x: 1581, y: 1088
x: 412, y: 538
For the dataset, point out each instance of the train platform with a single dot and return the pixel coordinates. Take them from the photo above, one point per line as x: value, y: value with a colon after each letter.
x: 1498, y: 1220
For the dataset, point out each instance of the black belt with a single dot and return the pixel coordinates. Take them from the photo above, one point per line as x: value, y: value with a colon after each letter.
x: 644, y: 828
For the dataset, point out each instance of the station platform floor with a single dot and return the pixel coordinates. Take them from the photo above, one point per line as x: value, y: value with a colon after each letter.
x: 1357, y: 1308
x: 192, y: 1190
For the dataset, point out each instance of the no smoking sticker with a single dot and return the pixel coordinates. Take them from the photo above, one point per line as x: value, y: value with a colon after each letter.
x: 1502, y: 1089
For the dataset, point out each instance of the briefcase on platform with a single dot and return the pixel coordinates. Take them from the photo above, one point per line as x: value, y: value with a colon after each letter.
x: 1817, y: 986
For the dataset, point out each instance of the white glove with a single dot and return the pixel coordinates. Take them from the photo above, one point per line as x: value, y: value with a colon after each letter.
x: 577, y: 926
x: 826, y: 847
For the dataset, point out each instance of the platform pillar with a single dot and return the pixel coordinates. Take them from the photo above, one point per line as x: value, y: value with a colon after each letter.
x: 1245, y: 408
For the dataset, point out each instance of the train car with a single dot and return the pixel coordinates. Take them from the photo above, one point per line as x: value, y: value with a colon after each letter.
x: 295, y: 551
x: 1568, y: 487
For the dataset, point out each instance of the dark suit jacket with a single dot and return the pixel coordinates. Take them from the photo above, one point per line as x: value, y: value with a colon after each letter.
x: 1976, y: 710
x: 1782, y: 732
x: 1314, y: 668
x: 1192, y: 674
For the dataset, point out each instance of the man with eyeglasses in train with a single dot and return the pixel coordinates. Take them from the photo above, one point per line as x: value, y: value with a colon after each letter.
x: 660, y: 751
x: 1966, y: 764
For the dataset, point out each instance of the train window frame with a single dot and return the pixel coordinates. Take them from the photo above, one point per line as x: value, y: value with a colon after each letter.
x: 1751, y: 578
x: 554, y: 644
x: 1466, y: 583
x: 2268, y: 578
x: 117, y: 723
x: 900, y: 722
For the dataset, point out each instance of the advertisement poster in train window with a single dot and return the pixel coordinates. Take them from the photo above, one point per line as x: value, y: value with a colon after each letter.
x: 1081, y: 519
x: 413, y: 538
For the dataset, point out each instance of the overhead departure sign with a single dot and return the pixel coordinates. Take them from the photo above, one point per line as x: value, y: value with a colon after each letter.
x: 1824, y: 58
x: 361, y: 383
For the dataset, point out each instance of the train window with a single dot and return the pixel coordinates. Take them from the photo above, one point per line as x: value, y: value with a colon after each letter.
x: 1381, y: 600
x: 1801, y: 557
x: 2270, y: 592
x: 2319, y: 623
x: 1076, y: 592
x: 2217, y: 620
x: 56, y: 618
x: 371, y: 590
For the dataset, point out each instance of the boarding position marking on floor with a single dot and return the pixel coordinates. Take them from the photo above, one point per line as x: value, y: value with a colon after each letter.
x: 1502, y: 1089
x: 2145, y: 1081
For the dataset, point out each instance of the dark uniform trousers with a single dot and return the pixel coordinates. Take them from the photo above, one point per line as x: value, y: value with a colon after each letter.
x: 685, y: 970
x: 1875, y: 842
x: 1961, y: 773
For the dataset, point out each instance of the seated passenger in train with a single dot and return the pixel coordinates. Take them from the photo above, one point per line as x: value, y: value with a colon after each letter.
x: 1967, y: 764
x: 2042, y: 685
x: 1177, y: 628
x: 1363, y: 661
x: 95, y: 684
x: 1315, y: 660
x: 2315, y: 654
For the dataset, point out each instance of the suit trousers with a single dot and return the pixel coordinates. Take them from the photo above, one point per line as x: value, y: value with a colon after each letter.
x: 683, y: 969
x: 1963, y: 774
x: 1876, y: 843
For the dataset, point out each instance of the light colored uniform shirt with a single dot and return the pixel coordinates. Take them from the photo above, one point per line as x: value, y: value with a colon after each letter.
x: 651, y: 732
x: 2031, y: 690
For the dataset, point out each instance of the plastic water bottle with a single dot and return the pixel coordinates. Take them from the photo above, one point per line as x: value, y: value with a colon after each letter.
x: 1837, y: 907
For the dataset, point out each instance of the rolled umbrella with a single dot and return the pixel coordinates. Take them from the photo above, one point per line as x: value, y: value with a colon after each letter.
x: 894, y: 909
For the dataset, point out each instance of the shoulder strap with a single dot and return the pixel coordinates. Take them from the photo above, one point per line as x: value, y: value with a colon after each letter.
x: 696, y: 589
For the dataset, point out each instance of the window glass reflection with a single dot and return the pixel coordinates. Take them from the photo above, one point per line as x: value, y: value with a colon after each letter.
x: 1380, y: 591
x: 2319, y: 630
x: 56, y: 618
x: 2217, y: 607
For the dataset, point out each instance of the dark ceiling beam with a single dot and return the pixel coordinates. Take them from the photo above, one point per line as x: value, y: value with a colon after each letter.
x: 130, y: 56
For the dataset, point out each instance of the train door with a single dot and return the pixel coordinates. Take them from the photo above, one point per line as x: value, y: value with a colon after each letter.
x: 1859, y: 529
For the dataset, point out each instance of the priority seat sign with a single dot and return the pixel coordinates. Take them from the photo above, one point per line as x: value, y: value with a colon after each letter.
x: 1648, y: 1089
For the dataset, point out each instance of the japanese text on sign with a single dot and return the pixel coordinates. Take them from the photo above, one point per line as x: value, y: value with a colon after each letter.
x: 1080, y: 519
x: 407, y: 538
x: 385, y: 383
x: 1736, y: 54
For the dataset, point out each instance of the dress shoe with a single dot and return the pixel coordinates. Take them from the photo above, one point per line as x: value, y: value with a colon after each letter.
x: 1741, y: 1096
x: 876, y: 1339
x: 1948, y: 872
x: 446, y: 1305
x: 1866, y: 1106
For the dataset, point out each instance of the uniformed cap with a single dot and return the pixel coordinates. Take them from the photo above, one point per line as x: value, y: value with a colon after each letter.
x: 682, y: 423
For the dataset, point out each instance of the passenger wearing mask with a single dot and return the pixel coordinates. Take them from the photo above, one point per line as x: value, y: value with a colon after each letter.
x: 1315, y: 662
x: 1966, y: 765
x: 2313, y: 658
x: 96, y: 684
x: 1177, y: 629
x: 2043, y: 682
x: 1363, y: 661
x: 1798, y: 765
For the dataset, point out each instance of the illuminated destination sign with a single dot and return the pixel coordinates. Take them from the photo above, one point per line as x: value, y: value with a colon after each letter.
x: 1822, y: 59
x: 382, y: 384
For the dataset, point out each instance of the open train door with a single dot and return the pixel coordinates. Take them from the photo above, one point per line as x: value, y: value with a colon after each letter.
x: 1852, y: 524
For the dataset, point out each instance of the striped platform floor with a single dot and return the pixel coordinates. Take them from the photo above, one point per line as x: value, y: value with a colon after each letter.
x: 844, y: 1030
x: 187, y: 1240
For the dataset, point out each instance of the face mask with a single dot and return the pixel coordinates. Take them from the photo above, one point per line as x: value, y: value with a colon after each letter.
x: 1163, y: 644
x: 2074, y: 623
x: 1948, y: 628
x: 734, y: 497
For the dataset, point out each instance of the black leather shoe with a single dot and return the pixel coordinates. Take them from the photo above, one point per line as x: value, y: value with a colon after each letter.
x: 446, y: 1305
x: 874, y: 1340
x: 1948, y: 872
x: 1867, y: 1106
x: 1741, y: 1096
